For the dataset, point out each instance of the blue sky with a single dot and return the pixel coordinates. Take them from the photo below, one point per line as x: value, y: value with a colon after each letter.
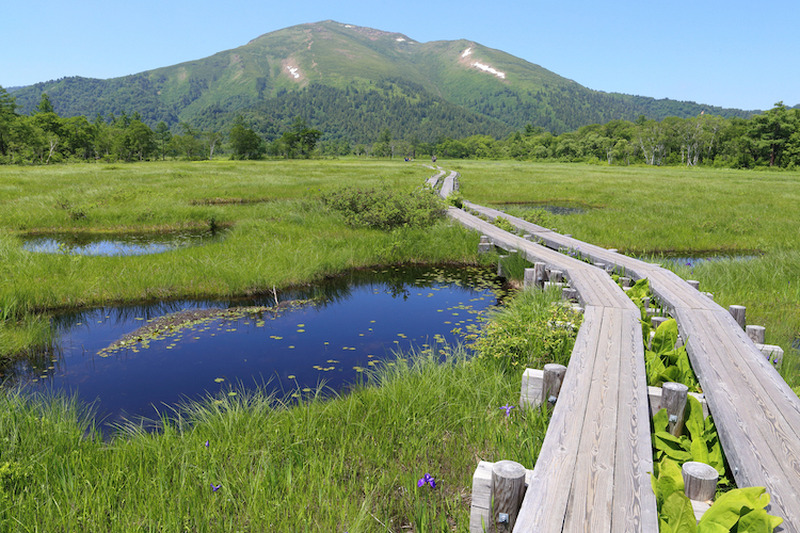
x: 728, y: 53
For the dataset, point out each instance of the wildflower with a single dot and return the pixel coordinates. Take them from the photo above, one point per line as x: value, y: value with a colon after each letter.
x: 507, y: 409
x: 215, y: 488
x: 207, y: 444
x: 427, y: 479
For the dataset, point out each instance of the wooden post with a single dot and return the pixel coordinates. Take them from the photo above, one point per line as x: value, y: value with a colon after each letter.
x: 508, y: 489
x: 600, y: 265
x: 485, y: 245
x: 540, y: 273
x: 738, y: 312
x: 699, y: 481
x: 553, y: 377
x: 529, y: 279
x: 569, y: 294
x: 613, y: 250
x: 527, y: 236
x: 657, y: 321
x: 756, y: 333
x: 674, y: 400
x: 626, y: 282
x: 694, y: 283
x: 556, y: 276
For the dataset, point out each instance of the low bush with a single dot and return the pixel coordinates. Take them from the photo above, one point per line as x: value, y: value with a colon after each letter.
x: 524, y: 333
x: 385, y: 208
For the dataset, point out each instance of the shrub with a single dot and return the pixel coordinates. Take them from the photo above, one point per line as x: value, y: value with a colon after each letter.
x: 385, y: 208
x: 532, y: 329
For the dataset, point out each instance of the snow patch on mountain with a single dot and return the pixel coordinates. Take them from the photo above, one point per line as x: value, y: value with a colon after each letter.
x: 489, y: 69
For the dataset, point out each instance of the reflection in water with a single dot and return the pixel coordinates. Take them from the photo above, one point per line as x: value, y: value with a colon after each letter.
x: 116, y: 245
x: 136, y: 359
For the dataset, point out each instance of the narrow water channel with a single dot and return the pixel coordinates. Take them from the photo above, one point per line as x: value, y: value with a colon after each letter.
x: 131, y: 362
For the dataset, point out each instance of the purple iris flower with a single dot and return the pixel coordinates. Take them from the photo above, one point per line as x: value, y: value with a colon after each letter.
x: 207, y: 443
x: 215, y: 488
x: 427, y: 479
x: 507, y: 409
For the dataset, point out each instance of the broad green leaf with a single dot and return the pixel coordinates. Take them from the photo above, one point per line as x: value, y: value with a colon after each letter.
x: 671, y: 373
x: 694, y: 418
x: 646, y: 329
x: 700, y: 451
x: 715, y: 458
x: 670, y: 479
x: 639, y: 290
x: 687, y: 374
x: 758, y: 521
x: 660, y: 421
x: 730, y: 506
x: 654, y: 367
x: 711, y: 527
x: 677, y: 512
x: 666, y: 337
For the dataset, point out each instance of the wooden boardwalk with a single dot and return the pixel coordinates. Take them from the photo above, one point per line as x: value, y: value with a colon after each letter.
x: 756, y: 413
x: 593, y: 473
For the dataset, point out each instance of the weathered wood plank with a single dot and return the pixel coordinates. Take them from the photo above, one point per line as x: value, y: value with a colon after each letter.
x: 634, y: 501
x: 589, y: 507
x: 545, y: 503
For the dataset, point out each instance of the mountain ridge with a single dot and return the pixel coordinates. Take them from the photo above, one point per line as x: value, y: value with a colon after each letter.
x: 466, y: 86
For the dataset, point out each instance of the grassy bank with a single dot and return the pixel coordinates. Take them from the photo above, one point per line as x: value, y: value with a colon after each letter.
x: 252, y: 463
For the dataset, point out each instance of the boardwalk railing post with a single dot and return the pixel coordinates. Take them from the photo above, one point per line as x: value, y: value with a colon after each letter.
x: 756, y: 333
x: 530, y: 278
x: 540, y: 273
x: 485, y: 245
x: 738, y: 313
x: 657, y: 321
x: 551, y: 386
x: 673, y: 398
x: 508, y: 489
x: 699, y: 480
x: 694, y: 283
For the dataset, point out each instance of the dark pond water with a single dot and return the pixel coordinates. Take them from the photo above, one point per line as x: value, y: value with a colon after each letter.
x: 115, y: 358
x: 554, y: 209
x: 692, y: 260
x: 116, y: 245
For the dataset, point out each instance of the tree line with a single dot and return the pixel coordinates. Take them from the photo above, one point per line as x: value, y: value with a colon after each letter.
x: 770, y: 139
x: 43, y: 137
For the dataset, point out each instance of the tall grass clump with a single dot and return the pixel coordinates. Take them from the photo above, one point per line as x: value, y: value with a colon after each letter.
x: 533, y: 329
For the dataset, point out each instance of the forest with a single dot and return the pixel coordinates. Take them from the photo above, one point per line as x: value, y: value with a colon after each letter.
x: 769, y: 139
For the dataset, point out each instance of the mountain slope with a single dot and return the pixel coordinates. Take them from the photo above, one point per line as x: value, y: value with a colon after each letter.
x: 348, y: 80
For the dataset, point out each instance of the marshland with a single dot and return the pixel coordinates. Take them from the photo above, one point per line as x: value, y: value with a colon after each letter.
x: 261, y: 459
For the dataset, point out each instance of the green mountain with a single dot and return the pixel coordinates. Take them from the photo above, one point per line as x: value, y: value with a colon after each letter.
x: 353, y: 82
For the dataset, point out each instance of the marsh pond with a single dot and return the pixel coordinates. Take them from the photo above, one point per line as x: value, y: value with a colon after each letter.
x: 137, y: 361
